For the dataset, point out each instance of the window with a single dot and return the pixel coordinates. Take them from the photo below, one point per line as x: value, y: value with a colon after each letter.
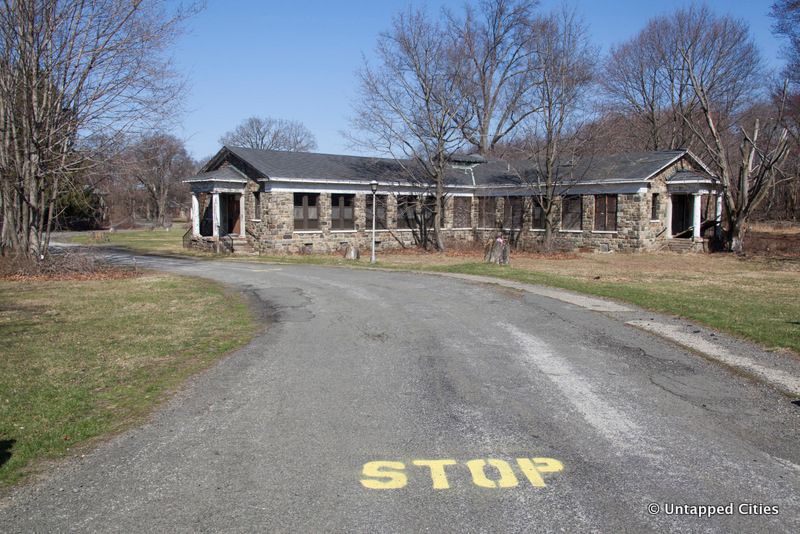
x: 380, y: 215
x: 512, y: 212
x: 487, y: 218
x: 429, y: 210
x: 342, y: 212
x: 571, y: 212
x: 462, y: 212
x: 256, y: 205
x: 538, y: 219
x: 406, y: 211
x: 306, y: 215
x: 605, y: 213
x: 655, y: 208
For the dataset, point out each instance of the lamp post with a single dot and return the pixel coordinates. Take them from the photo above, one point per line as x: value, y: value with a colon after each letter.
x: 374, y: 186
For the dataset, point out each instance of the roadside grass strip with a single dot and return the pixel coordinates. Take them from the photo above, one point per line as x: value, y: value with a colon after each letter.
x: 80, y: 360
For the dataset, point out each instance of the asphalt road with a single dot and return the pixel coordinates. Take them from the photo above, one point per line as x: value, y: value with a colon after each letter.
x: 397, y: 402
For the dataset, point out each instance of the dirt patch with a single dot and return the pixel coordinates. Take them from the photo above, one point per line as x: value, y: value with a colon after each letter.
x: 73, y: 267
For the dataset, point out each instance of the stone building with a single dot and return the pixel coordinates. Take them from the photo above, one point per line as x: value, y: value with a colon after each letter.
x: 248, y: 200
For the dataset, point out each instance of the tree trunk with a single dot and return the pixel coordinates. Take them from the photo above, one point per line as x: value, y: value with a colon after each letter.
x: 437, y: 215
x: 498, y: 252
x: 735, y: 236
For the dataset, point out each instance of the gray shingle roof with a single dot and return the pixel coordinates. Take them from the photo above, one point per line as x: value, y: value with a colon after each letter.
x: 274, y: 164
x: 628, y: 167
x: 312, y: 166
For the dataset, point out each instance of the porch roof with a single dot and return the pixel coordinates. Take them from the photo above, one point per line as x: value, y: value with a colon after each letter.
x: 223, y: 174
x: 689, y: 177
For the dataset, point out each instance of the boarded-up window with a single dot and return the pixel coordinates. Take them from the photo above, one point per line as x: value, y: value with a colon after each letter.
x: 406, y: 211
x: 512, y: 212
x: 306, y: 214
x: 655, y: 208
x: 380, y: 214
x: 429, y: 210
x: 605, y: 213
x: 487, y: 216
x: 538, y: 219
x: 342, y: 212
x: 571, y: 211
x: 462, y: 212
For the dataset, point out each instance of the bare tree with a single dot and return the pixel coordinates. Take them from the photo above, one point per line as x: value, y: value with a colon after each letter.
x: 159, y: 162
x: 497, y: 69
x: 724, y: 69
x: 704, y: 71
x: 564, y: 60
x: 644, y: 81
x: 409, y: 107
x: 787, y: 24
x: 266, y: 133
x: 646, y: 78
x: 70, y: 69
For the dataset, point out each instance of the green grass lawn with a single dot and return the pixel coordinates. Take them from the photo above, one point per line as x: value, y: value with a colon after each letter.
x: 82, y: 359
x: 756, y: 298
x: 157, y: 241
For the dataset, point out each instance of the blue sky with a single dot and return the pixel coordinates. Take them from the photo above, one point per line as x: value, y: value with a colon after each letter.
x: 297, y: 59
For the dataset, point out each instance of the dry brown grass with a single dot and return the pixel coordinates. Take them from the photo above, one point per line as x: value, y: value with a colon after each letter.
x: 775, y: 228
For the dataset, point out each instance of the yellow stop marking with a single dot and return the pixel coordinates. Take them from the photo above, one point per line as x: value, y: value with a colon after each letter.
x: 489, y: 473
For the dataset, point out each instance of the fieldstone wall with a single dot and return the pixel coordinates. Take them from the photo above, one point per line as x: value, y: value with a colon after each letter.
x: 271, y: 231
x: 274, y: 233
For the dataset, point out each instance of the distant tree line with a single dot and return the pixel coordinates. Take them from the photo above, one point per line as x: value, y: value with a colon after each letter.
x: 502, y: 79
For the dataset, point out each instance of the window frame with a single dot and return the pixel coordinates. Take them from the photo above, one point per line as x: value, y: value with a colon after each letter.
x: 257, y: 206
x: 565, y: 200
x: 381, y: 216
x: 513, y: 212
x: 537, y: 205
x: 339, y: 201
x: 604, y: 219
x: 483, y: 212
x: 655, y: 207
x: 404, y: 203
x: 307, y: 224
x: 464, y: 210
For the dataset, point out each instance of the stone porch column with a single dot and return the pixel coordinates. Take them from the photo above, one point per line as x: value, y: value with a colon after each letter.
x: 669, y: 217
x: 696, y: 219
x: 215, y: 212
x: 242, y: 218
x: 195, y: 216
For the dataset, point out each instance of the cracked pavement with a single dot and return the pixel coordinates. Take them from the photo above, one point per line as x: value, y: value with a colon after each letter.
x: 544, y: 413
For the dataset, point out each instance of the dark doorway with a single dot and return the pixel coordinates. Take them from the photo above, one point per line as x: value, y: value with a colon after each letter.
x: 229, y: 214
x: 682, y: 214
x: 207, y: 220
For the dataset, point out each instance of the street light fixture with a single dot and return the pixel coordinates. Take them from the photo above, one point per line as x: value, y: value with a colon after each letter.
x: 374, y: 186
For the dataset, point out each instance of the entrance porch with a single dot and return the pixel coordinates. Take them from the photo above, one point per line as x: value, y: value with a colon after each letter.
x: 694, y: 205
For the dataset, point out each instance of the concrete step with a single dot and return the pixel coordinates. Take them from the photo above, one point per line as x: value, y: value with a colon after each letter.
x: 680, y: 245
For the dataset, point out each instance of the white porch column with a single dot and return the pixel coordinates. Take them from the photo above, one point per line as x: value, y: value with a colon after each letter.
x: 195, y: 216
x: 669, y: 216
x: 696, y: 216
x: 215, y: 211
x: 718, y: 217
x: 242, y: 218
